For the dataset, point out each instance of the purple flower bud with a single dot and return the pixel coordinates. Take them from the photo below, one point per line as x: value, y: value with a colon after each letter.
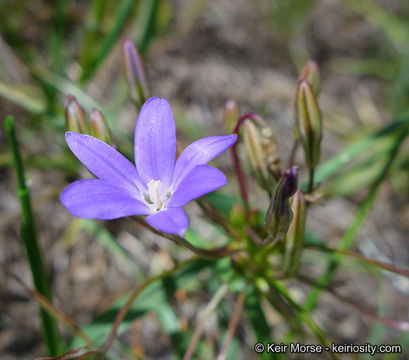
x: 134, y: 72
x: 290, y: 186
x: 279, y: 214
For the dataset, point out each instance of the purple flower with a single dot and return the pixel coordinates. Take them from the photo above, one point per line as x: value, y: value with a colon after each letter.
x: 157, y: 186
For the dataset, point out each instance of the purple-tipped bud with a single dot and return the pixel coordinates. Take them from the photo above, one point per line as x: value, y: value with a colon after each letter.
x: 231, y: 115
x: 294, y: 240
x: 75, y: 118
x: 291, y: 177
x: 134, y: 73
x: 308, y: 123
x: 99, y: 127
x: 279, y: 214
x: 311, y: 72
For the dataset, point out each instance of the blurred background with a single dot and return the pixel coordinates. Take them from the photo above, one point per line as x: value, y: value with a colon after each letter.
x: 198, y: 54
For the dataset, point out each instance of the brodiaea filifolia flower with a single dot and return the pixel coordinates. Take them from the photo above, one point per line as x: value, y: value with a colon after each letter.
x: 157, y: 186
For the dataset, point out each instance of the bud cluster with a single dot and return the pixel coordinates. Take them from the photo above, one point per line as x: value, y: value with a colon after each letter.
x: 284, y: 224
x: 76, y: 120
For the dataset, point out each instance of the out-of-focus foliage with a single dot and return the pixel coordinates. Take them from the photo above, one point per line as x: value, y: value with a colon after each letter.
x: 51, y: 49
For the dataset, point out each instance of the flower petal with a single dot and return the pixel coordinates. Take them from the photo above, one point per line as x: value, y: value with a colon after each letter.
x: 199, y: 153
x: 171, y: 220
x: 200, y: 181
x: 155, y: 142
x: 98, y: 199
x: 102, y: 160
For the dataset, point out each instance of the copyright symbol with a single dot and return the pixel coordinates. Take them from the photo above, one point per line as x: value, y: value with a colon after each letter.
x: 259, y: 348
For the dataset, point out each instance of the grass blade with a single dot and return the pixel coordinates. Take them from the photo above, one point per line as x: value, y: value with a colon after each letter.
x: 349, y: 236
x: 29, y: 236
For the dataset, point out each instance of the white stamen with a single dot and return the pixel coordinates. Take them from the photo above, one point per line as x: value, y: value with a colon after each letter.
x: 155, y: 193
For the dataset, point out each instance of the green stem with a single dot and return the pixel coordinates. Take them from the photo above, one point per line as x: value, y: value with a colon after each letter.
x: 29, y: 235
x: 147, y: 10
x: 93, y: 24
x: 303, y: 316
x: 311, y: 181
x: 123, y: 12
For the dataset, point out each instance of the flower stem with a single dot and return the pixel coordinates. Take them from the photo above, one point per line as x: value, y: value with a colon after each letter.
x: 213, y: 254
x: 52, y: 310
x: 221, y: 292
x: 311, y: 180
x: 216, y: 216
x: 303, y: 316
x: 362, y: 309
x: 33, y: 250
x: 124, y: 310
x: 232, y: 325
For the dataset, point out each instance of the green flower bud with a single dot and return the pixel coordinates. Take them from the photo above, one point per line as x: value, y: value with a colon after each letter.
x: 311, y: 73
x: 253, y: 143
x: 231, y: 115
x: 134, y: 73
x: 308, y: 122
x: 262, y: 152
x: 270, y: 150
x: 75, y: 118
x: 99, y: 127
x: 279, y: 214
x: 294, y: 240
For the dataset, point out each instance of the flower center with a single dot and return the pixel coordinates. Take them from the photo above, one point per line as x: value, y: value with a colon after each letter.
x: 155, y: 197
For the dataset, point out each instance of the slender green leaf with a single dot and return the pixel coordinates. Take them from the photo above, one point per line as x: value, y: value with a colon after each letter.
x: 31, y: 244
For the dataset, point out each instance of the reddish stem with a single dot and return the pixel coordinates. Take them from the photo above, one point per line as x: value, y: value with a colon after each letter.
x: 396, y: 324
x: 212, y: 254
x: 232, y: 326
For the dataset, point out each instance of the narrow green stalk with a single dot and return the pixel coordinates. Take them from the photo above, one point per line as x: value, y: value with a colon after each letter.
x: 349, y: 236
x: 311, y: 180
x: 329, y: 168
x: 123, y: 12
x: 146, y: 15
x: 93, y: 24
x: 29, y: 236
x: 303, y: 316
x: 57, y: 35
